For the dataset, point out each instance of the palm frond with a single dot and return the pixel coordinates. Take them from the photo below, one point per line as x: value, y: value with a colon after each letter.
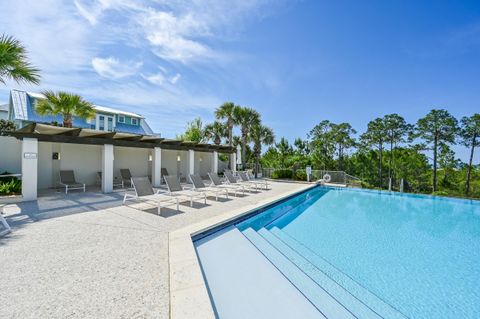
x: 14, y: 62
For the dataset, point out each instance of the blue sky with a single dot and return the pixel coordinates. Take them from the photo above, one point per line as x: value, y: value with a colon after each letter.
x: 297, y: 62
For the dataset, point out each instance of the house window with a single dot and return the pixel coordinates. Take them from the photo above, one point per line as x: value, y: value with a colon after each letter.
x: 134, y: 121
x: 109, y: 123
x: 121, y: 119
x: 101, y: 123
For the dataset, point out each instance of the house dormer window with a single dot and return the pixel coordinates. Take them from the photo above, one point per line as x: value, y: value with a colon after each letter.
x: 134, y: 121
x: 121, y: 119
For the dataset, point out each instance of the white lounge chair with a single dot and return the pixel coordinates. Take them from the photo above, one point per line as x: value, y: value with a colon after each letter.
x: 143, y: 190
x: 175, y: 189
x: 217, y: 182
x: 244, y: 177
x: 233, y: 181
x: 3, y: 221
x: 198, y: 185
x: 67, y: 179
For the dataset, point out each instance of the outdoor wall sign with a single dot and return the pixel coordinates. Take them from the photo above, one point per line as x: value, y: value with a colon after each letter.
x: 28, y: 155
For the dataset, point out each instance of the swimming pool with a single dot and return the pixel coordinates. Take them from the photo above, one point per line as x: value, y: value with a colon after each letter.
x: 366, y: 254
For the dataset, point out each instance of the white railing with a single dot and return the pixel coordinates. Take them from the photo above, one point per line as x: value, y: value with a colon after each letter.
x: 336, y: 177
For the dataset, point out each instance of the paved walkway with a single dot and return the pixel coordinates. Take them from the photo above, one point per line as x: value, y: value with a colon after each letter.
x: 86, y: 256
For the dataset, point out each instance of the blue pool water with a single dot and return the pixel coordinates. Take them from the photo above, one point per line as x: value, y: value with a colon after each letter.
x: 380, y: 255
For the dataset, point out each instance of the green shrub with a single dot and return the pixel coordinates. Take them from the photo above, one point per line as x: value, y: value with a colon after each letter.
x: 9, y: 185
x: 440, y: 193
x: 282, y: 173
x: 10, y: 188
x: 301, y: 175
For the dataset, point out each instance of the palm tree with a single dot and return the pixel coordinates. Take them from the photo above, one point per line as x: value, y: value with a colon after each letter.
x: 215, y: 131
x: 247, y: 118
x: 226, y: 112
x: 66, y: 104
x: 260, y: 134
x: 14, y: 64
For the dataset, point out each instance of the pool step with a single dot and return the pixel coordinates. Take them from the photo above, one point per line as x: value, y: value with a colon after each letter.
x: 244, y: 284
x: 357, y: 307
x: 296, y: 204
x: 327, y: 306
x: 321, y: 270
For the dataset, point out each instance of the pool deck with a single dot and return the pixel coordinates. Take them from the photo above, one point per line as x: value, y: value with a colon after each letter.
x: 86, y: 256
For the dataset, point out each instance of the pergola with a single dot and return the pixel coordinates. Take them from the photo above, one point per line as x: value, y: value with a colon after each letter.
x: 33, y: 133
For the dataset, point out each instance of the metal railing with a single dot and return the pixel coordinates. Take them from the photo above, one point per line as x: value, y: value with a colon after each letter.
x: 336, y: 177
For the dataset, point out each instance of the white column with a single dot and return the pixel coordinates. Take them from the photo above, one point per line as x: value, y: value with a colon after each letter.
x: 191, y: 162
x: 156, y: 166
x: 215, y: 162
x: 29, y: 168
x: 107, y: 168
x: 234, y: 162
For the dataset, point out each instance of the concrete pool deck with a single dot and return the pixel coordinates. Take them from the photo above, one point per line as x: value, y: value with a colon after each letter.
x: 86, y: 256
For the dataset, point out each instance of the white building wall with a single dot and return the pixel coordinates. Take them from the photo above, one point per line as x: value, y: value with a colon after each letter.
x: 169, y: 161
x: 184, y: 165
x: 10, y: 155
x: 84, y: 160
x: 203, y: 163
x: 45, y: 164
x: 135, y: 159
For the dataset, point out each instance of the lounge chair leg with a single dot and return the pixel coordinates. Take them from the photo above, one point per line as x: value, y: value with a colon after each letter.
x: 191, y: 201
x: 159, y: 208
x: 66, y: 190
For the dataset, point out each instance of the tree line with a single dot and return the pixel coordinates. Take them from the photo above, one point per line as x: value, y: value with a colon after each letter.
x: 389, y: 150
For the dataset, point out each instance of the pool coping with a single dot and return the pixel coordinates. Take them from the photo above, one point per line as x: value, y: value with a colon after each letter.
x: 189, y: 297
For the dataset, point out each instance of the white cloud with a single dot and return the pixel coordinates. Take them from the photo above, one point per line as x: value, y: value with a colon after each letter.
x: 174, y: 79
x: 157, y: 79
x: 162, y: 77
x: 73, y: 41
x: 113, y: 68
x: 172, y: 36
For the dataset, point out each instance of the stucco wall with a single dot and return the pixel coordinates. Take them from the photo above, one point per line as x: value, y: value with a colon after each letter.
x: 45, y: 164
x: 203, y: 163
x: 84, y: 160
x: 10, y: 155
x: 169, y: 161
x: 135, y: 159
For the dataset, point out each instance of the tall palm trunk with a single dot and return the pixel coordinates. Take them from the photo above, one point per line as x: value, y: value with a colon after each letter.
x: 257, y: 162
x: 67, y: 120
x: 435, y: 145
x: 230, y: 135
x: 244, y: 149
x: 230, y: 143
x: 469, y: 170
x: 380, y: 150
x: 390, y: 161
